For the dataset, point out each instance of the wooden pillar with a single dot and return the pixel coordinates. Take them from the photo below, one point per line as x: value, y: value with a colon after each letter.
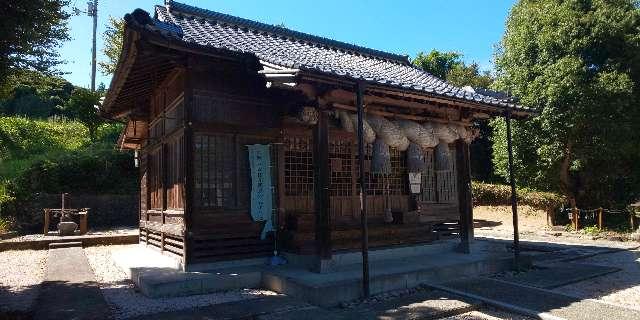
x: 321, y: 185
x: 465, y: 201
x: 47, y: 218
x: 514, y: 199
x: 188, y: 151
x: 600, y: 221
x: 363, y: 190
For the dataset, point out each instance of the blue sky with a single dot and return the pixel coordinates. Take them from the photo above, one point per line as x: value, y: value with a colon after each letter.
x: 471, y: 27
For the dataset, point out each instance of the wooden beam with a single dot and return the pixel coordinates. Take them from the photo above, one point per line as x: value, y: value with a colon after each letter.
x: 399, y: 94
x: 465, y: 204
x: 321, y: 187
x: 370, y: 109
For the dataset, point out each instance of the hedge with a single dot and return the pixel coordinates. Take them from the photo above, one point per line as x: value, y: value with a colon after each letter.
x: 498, y: 194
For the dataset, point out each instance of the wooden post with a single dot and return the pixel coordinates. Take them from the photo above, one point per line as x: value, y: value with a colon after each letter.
x: 600, y: 219
x: 363, y: 191
x: 577, y: 219
x: 46, y: 221
x: 464, y: 195
x: 514, y: 200
x: 632, y: 220
x: 84, y: 217
x: 321, y: 188
x: 188, y: 151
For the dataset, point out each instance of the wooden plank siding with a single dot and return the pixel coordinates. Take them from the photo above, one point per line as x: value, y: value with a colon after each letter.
x: 162, y: 168
x: 195, y: 175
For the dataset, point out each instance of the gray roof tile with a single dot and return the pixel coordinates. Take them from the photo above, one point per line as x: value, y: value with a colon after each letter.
x: 289, y: 48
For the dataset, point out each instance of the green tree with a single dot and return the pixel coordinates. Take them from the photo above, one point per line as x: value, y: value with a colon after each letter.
x: 438, y: 63
x: 578, y: 62
x: 83, y: 106
x: 30, y: 33
x: 35, y: 95
x: 112, y: 37
x: 450, y: 67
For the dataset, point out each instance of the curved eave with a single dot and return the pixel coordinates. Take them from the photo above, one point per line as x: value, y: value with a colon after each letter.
x: 137, y: 38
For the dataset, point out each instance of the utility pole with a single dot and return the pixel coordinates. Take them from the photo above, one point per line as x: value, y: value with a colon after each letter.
x: 92, y: 11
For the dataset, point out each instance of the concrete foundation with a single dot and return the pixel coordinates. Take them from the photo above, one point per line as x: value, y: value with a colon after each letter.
x: 339, y: 279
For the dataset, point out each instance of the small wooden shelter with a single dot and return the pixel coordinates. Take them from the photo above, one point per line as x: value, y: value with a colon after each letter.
x: 197, y: 87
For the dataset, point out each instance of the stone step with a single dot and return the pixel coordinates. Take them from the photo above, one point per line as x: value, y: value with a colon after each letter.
x: 166, y: 282
x: 330, y: 289
x: 70, y: 244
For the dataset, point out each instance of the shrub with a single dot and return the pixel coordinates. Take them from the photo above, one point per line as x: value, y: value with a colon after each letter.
x: 22, y: 137
x: 498, y: 194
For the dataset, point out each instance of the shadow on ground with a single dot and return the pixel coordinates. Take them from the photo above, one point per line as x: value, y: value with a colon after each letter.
x: 549, y: 257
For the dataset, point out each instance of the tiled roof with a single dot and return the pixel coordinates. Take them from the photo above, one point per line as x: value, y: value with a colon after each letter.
x: 292, y: 49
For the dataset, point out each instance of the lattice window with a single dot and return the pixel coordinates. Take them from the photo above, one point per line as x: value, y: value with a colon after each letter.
x: 439, y: 186
x: 397, y: 179
x: 215, y: 170
x: 298, y: 166
x: 373, y: 181
x: 428, y: 189
x: 341, y: 167
x: 446, y: 186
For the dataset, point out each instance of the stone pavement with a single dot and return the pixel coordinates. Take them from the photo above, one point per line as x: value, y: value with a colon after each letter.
x: 69, y: 290
x: 420, y: 304
x: 553, y: 275
x: 247, y: 309
x: 536, y: 302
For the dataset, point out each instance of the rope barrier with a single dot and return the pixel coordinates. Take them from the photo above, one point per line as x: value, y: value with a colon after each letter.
x: 596, y: 215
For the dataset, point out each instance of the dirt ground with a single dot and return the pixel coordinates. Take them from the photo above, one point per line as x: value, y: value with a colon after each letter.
x: 500, y: 218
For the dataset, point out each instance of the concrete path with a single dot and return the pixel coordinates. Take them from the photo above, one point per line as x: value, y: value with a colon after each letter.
x: 247, y: 309
x: 69, y: 290
x: 536, y: 302
x: 424, y: 304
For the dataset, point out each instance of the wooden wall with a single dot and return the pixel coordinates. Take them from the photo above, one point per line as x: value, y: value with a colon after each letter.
x: 162, y: 174
x: 438, y: 202
x: 195, y: 179
x: 230, y: 111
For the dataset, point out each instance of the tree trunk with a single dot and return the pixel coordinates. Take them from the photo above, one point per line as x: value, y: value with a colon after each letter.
x: 565, y: 184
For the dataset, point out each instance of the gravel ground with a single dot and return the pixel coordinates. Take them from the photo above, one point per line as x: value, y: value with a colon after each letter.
x: 126, y: 302
x: 51, y: 236
x: 621, y: 288
x: 21, y: 272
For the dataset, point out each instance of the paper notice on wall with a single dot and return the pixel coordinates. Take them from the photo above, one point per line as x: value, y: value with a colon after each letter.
x: 415, y: 181
x: 261, y: 197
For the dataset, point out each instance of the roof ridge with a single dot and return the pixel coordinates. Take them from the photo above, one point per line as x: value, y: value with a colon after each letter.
x: 171, y: 5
